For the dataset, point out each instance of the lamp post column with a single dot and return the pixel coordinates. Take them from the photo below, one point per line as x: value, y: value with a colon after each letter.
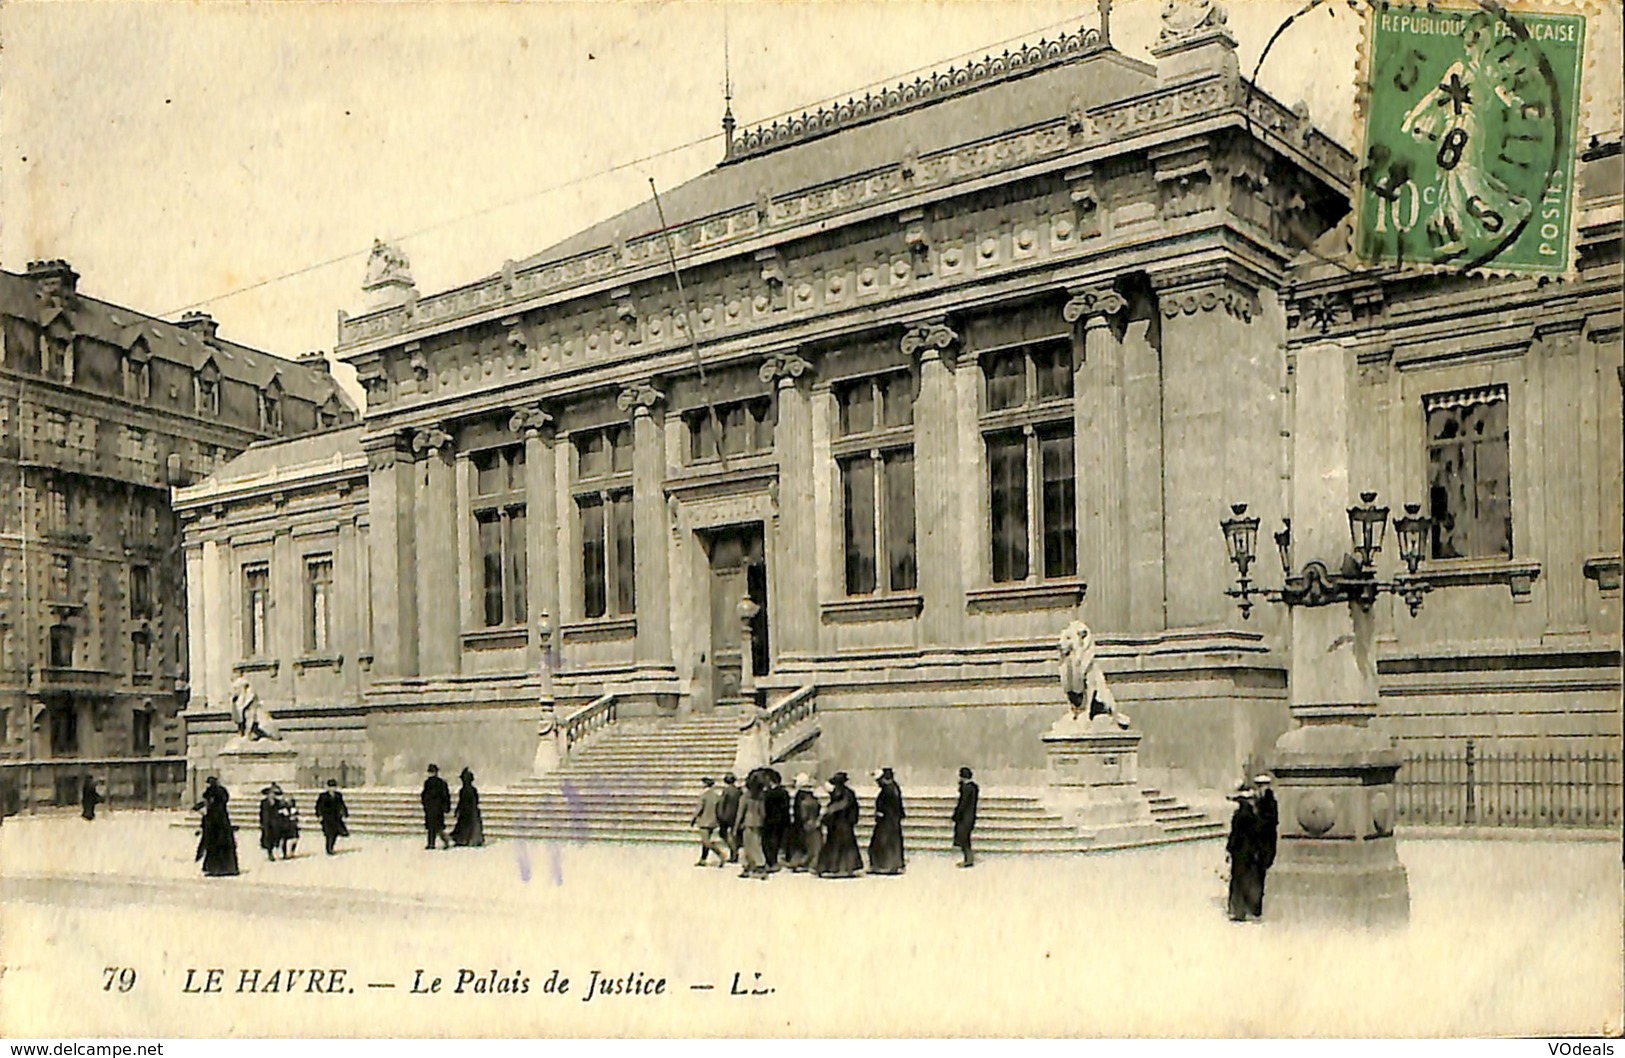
x: 1334, y: 772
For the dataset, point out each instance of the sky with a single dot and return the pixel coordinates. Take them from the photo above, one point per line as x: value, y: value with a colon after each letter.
x: 242, y: 158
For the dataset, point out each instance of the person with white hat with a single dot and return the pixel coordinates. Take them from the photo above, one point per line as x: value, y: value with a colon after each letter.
x: 806, y: 836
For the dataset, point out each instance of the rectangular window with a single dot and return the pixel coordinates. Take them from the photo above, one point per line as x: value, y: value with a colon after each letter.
x: 1006, y: 379
x: 61, y: 647
x: 1007, y: 490
x: 208, y: 396
x: 1059, y: 508
x: 140, y: 657
x: 858, y: 500
x: 746, y: 428
x: 140, y: 591
x: 271, y: 412
x: 898, y: 518
x: 256, y: 610
x: 64, y: 730
x: 1469, y: 473
x: 318, y: 603
x: 857, y: 403
x: 604, y: 515
x: 61, y: 578
x: 499, y: 526
x: 1052, y: 367
x: 141, y: 732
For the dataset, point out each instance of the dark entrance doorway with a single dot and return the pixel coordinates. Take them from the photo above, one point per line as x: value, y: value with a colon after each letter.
x: 738, y: 568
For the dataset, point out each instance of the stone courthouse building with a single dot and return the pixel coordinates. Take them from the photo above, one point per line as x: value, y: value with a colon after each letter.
x: 102, y: 410
x: 950, y: 365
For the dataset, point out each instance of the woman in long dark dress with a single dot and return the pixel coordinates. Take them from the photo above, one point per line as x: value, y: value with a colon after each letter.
x: 89, y: 798
x: 217, y: 842
x: 840, y: 857
x: 1244, y: 846
x: 886, y: 842
x: 807, y: 835
x: 470, y: 828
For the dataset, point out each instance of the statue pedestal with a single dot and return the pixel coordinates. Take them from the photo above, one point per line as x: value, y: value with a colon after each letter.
x: 251, y: 766
x: 1094, y: 781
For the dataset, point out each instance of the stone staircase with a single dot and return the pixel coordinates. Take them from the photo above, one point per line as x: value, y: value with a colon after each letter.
x: 641, y: 785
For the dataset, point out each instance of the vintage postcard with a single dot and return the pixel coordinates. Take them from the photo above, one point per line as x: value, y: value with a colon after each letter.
x: 798, y: 520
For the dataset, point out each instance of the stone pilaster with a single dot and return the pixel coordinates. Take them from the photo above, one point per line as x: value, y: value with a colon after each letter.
x: 1100, y: 447
x: 796, y: 599
x: 439, y: 627
x: 645, y: 404
x: 937, y: 487
x: 198, y: 622
x: 1567, y: 541
x: 535, y: 426
x: 219, y: 588
x: 392, y: 503
x: 1335, y: 773
x: 1221, y: 432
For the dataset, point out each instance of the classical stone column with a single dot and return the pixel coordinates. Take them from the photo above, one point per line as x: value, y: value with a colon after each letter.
x: 650, y: 533
x: 1334, y: 772
x: 937, y: 484
x: 199, y: 618
x: 1100, y: 446
x: 796, y: 595
x: 1221, y: 423
x: 1568, y: 442
x: 392, y: 504
x: 439, y: 624
x: 535, y: 426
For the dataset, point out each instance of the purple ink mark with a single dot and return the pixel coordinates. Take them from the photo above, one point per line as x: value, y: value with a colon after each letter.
x: 523, y: 856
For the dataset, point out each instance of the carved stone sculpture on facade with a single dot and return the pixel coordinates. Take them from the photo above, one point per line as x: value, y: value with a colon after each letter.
x: 1082, y: 680
x: 253, y: 718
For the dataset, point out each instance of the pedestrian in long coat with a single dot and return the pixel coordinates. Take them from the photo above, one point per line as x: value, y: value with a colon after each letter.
x: 89, y: 798
x: 1245, y: 849
x: 886, y: 854
x: 752, y: 817
x: 840, y: 857
x: 436, y: 798
x: 270, y: 824
x: 287, y: 813
x: 705, y: 821
x: 470, y: 828
x: 217, y: 838
x: 728, y: 815
x: 331, y: 812
x: 776, y: 822
x: 965, y: 816
x: 807, y: 835
x: 1269, y: 825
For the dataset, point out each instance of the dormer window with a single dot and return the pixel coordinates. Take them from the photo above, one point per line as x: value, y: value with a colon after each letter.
x: 138, y: 372
x: 271, y: 407
x: 56, y: 352
x: 208, y: 389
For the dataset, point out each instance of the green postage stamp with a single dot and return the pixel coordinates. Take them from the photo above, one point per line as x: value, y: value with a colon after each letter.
x: 1470, y: 123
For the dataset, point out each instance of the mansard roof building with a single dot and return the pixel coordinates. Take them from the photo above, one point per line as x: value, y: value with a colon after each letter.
x: 951, y: 365
x: 102, y: 409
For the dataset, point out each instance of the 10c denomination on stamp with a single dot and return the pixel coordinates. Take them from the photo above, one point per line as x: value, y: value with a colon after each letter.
x: 1471, y: 120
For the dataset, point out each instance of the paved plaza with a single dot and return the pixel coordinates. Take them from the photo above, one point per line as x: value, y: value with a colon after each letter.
x: 1506, y: 937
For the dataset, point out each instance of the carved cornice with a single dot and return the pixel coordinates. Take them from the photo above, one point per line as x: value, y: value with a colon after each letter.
x: 383, y: 452
x: 784, y: 368
x: 932, y: 339
x: 640, y: 397
x: 430, y: 440
x: 1240, y: 303
x: 530, y: 421
x: 1093, y: 303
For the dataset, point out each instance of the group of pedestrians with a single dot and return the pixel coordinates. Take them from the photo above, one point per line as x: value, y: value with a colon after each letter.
x: 811, y: 828
x: 469, y: 826
x: 279, y: 823
x: 1251, y: 846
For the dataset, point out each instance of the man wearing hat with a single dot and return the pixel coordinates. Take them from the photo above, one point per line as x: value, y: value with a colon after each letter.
x: 436, y: 800
x: 1269, y: 822
x: 330, y: 812
x: 886, y: 855
x: 728, y: 815
x: 1245, y: 849
x: 705, y: 821
x: 270, y: 823
x: 965, y: 815
x: 840, y: 857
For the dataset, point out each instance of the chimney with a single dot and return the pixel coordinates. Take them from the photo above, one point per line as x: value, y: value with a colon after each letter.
x: 55, y: 277
x: 201, y: 324
x: 316, y: 360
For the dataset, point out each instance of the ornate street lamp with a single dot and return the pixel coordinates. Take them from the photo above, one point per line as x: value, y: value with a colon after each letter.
x: 1354, y: 580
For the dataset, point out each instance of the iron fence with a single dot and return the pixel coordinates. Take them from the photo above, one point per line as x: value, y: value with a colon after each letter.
x: 126, y: 782
x: 1460, y: 786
